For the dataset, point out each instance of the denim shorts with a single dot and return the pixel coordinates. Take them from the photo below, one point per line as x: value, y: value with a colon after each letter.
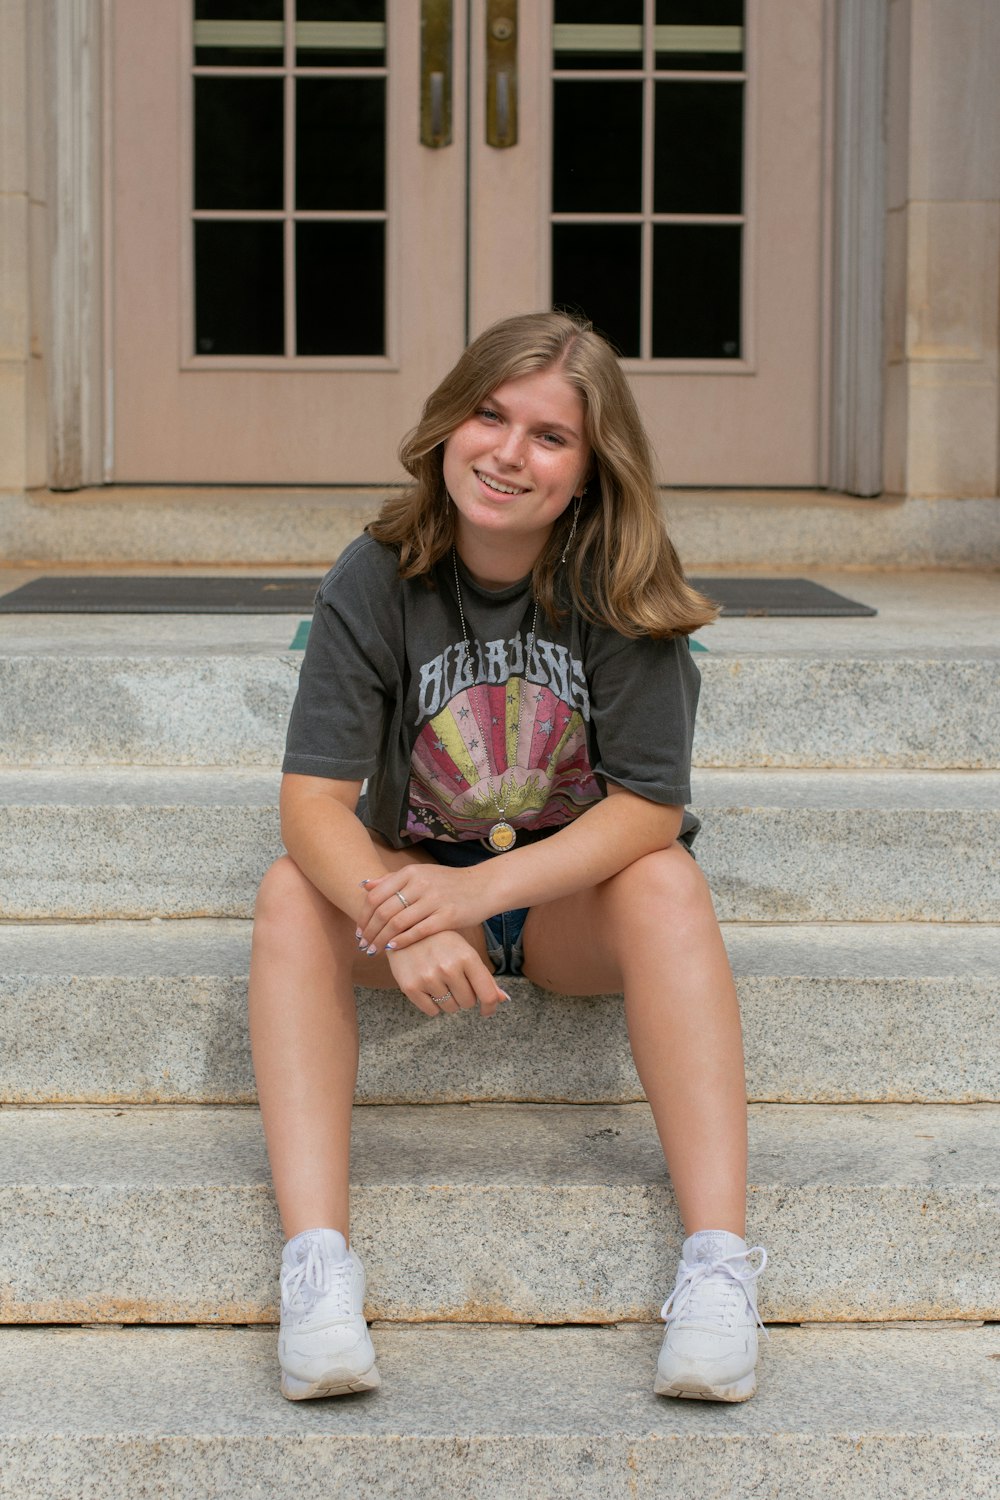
x: 504, y: 933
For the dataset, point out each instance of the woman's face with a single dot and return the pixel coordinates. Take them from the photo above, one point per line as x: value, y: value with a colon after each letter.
x: 514, y: 465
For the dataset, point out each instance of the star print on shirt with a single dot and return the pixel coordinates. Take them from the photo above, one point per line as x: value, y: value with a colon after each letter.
x: 463, y: 713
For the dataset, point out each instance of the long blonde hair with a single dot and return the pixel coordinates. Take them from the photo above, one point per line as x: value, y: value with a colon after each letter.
x: 622, y: 571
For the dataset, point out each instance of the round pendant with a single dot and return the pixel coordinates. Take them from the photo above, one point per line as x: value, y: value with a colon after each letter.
x: 501, y: 837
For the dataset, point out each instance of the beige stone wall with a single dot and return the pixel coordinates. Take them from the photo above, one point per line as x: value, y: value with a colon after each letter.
x: 943, y: 248
x: 23, y: 257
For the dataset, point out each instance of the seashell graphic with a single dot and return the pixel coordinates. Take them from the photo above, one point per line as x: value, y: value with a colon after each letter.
x: 517, y: 739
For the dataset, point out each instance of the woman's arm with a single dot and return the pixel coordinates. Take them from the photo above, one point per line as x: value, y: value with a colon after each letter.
x: 611, y: 834
x: 325, y: 838
x: 334, y: 850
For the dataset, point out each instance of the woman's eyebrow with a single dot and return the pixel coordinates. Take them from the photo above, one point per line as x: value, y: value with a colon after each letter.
x: 545, y: 426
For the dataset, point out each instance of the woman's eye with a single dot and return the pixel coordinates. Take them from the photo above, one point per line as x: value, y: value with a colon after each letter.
x: 552, y: 437
x: 488, y: 414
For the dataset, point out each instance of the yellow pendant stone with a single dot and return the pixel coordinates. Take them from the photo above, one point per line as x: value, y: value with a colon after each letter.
x: 502, y: 837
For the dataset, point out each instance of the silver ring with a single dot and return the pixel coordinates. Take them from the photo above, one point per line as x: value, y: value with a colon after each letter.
x: 440, y: 1000
x: 402, y: 898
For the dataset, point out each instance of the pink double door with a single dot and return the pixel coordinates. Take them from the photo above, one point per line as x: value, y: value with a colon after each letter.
x: 315, y: 203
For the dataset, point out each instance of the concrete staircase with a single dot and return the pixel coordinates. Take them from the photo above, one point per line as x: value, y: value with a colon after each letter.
x: 509, y: 1188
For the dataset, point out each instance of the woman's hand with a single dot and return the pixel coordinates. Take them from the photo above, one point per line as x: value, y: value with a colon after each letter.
x: 435, y: 899
x: 444, y: 973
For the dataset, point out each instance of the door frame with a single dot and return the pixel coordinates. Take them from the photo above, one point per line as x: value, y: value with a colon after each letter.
x: 81, y: 437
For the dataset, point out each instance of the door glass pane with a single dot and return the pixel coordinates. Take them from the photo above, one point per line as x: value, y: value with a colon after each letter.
x: 340, y: 33
x: 633, y: 158
x: 696, y: 291
x: 596, y: 271
x: 597, y: 33
x: 699, y: 35
x: 698, y: 152
x: 337, y: 125
x: 597, y: 147
x: 340, y: 143
x: 340, y: 272
x: 239, y: 33
x: 240, y: 299
x: 238, y: 142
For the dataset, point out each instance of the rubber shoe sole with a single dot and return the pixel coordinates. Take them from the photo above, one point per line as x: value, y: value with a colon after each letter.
x: 689, y: 1387
x: 333, y: 1383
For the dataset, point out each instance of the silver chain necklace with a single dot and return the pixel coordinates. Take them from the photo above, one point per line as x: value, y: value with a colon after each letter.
x: 502, y: 836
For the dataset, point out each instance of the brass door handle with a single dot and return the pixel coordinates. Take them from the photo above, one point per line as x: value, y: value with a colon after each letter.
x: 501, y: 73
x: 436, y: 22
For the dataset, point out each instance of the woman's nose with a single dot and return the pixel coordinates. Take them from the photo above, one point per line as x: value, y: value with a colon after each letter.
x: 510, y: 448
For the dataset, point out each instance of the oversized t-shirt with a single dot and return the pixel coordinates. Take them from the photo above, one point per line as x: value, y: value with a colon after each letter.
x: 391, y: 692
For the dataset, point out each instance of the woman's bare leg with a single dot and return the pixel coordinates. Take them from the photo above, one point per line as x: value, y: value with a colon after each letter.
x: 304, y: 1033
x: 651, y: 930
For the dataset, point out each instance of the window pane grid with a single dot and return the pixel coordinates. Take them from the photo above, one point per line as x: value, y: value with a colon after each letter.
x: 303, y: 215
x: 611, y: 37
x: 320, y: 36
x: 602, y: 75
x: 220, y: 70
x: 653, y: 39
x: 638, y: 218
x: 342, y: 324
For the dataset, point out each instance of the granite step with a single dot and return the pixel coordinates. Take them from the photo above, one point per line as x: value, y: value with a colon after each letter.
x: 227, y: 525
x: 498, y: 1414
x: 850, y: 707
x: 777, y: 846
x: 551, y: 1213
x: 869, y: 1012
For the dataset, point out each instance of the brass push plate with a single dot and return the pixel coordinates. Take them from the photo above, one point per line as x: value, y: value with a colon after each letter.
x: 436, y: 24
x: 501, y: 73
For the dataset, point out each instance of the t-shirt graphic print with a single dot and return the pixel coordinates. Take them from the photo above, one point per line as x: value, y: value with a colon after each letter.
x: 523, y: 737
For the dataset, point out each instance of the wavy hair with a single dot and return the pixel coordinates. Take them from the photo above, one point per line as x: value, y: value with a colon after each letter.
x: 623, y: 571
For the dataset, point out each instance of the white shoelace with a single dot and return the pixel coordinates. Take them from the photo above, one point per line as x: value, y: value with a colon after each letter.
x: 710, y: 1291
x: 315, y: 1276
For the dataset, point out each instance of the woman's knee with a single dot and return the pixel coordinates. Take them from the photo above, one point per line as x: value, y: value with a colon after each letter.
x: 287, y: 898
x: 663, y: 885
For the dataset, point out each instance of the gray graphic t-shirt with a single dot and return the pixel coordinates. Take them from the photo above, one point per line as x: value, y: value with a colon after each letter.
x: 390, y: 691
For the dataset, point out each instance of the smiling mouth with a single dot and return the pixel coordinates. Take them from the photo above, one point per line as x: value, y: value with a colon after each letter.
x: 497, y: 485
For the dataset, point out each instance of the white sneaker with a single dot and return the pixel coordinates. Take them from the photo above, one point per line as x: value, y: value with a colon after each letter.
x: 324, y: 1347
x: 709, y: 1350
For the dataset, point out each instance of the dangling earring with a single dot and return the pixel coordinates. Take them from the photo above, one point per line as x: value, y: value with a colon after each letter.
x: 572, y: 531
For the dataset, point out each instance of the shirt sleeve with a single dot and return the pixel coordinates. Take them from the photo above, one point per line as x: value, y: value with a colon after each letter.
x: 349, y: 683
x: 644, y: 696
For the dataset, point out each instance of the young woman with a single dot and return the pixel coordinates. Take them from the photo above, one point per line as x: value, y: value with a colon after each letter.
x: 503, y: 657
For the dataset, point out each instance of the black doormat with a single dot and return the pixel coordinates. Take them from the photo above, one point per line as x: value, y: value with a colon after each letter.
x: 126, y: 594
x: 777, y: 596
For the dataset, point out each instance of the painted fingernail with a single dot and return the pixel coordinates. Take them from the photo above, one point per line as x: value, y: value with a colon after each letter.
x: 357, y: 932
x: 505, y: 994
x: 390, y: 947
x: 371, y: 951
x: 363, y: 884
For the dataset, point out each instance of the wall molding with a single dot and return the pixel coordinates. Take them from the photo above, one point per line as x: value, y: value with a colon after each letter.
x: 75, y: 77
x: 857, y: 370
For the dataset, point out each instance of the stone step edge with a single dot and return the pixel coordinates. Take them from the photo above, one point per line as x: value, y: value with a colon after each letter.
x: 556, y: 1214
x: 756, y: 709
x: 496, y: 1413
x: 715, y: 787
x: 797, y: 856
x: 79, y: 1029
x: 226, y: 525
x: 219, y: 947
